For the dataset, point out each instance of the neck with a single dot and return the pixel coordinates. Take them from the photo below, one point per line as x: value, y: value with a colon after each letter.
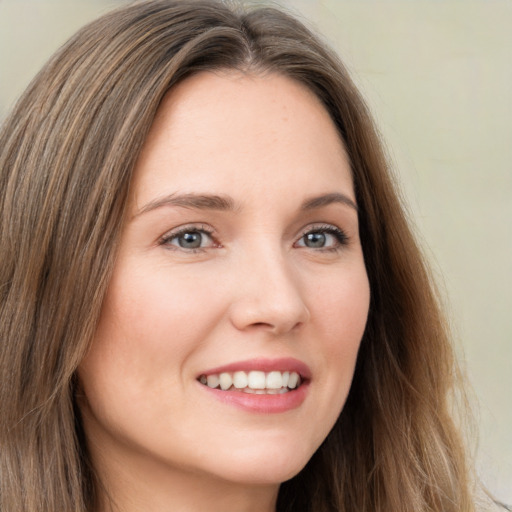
x: 154, y: 487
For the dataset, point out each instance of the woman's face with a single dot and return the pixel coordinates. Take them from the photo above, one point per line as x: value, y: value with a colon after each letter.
x: 239, y: 266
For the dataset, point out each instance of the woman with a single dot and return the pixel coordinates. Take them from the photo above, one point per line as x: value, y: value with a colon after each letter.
x: 210, y: 293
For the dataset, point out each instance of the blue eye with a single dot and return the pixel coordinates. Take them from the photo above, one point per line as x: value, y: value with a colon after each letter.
x: 328, y: 237
x: 189, y: 239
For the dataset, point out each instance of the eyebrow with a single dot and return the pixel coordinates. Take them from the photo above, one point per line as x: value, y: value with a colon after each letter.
x: 192, y: 201
x: 326, y: 200
x: 226, y: 203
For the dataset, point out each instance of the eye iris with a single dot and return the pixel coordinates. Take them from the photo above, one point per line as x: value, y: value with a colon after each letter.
x: 190, y: 240
x: 315, y: 239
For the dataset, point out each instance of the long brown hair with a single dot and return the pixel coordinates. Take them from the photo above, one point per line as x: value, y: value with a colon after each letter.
x: 66, y: 159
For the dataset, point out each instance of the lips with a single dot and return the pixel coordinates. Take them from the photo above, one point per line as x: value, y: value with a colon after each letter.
x: 260, y: 385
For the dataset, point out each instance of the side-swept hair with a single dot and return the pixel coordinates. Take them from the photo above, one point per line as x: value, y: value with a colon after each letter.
x: 67, y: 153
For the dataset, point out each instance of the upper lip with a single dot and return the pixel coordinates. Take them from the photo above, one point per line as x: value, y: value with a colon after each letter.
x: 285, y: 364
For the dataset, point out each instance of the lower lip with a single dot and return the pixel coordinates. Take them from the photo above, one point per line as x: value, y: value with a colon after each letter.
x: 262, y: 404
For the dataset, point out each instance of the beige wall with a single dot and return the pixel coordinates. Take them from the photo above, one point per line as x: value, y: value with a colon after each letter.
x: 438, y: 76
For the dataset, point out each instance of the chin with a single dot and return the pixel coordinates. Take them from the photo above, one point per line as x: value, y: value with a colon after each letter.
x: 259, y: 466
x: 265, y: 474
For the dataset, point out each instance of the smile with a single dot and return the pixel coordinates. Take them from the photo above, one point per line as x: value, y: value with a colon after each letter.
x: 253, y: 382
x: 261, y: 385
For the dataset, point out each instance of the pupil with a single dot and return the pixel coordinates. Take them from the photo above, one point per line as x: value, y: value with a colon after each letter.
x: 190, y: 240
x: 315, y: 239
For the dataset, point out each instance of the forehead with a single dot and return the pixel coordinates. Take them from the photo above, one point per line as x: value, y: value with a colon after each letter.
x: 233, y: 132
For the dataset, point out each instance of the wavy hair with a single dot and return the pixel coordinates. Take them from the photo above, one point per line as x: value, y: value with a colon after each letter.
x: 67, y: 153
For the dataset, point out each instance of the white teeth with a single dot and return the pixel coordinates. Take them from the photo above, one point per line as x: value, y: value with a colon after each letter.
x: 225, y: 381
x: 256, y: 382
x: 274, y: 380
x: 293, y: 380
x: 212, y: 381
x: 240, y: 380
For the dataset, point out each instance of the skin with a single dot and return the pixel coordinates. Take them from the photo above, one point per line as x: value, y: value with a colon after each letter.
x: 255, y: 288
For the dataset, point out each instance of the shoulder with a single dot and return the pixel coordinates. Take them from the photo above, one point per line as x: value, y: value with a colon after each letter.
x: 485, y: 502
x: 490, y: 505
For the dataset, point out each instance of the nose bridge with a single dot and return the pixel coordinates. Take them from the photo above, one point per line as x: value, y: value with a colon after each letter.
x: 269, y: 290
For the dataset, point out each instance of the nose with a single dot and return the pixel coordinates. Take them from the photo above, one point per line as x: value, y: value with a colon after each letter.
x: 268, y: 295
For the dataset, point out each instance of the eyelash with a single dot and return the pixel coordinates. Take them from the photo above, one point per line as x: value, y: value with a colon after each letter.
x: 175, y: 235
x: 339, y: 235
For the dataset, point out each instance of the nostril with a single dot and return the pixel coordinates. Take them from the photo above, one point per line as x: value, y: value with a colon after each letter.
x: 276, y: 327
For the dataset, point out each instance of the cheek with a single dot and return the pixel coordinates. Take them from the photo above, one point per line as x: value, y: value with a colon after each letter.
x: 341, y: 311
x: 148, y: 329
x: 156, y: 312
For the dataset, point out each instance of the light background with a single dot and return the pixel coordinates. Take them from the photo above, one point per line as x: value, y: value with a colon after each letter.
x: 438, y: 77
